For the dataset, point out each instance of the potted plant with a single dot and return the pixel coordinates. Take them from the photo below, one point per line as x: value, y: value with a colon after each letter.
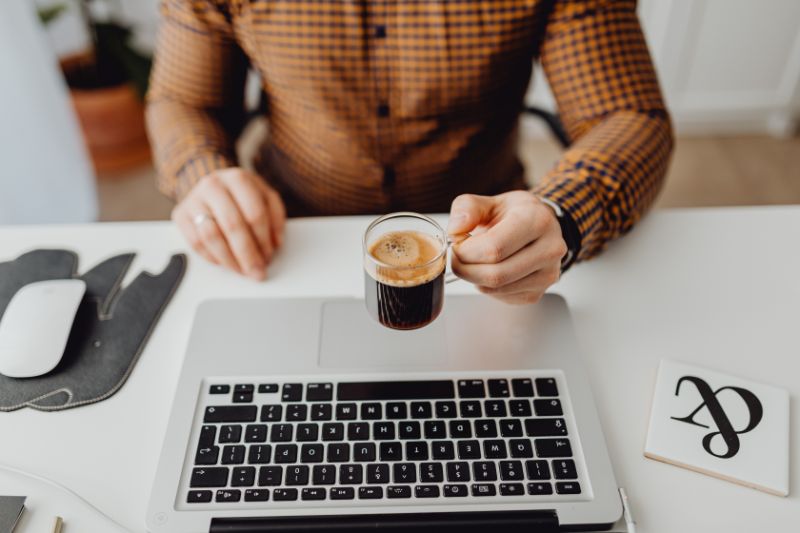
x: 107, y: 85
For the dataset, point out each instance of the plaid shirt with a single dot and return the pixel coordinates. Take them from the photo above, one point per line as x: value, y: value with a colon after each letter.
x: 381, y: 105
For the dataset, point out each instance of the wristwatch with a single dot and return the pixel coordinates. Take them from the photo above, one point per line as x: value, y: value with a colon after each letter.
x: 569, y: 232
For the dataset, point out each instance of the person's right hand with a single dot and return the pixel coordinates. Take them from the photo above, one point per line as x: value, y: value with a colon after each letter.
x: 234, y: 219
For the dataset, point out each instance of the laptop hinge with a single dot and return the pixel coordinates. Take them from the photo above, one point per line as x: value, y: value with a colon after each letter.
x: 461, y: 522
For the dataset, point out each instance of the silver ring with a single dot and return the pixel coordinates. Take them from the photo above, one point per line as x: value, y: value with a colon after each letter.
x: 202, y: 217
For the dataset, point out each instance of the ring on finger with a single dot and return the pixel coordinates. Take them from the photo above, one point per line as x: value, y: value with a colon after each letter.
x: 202, y: 218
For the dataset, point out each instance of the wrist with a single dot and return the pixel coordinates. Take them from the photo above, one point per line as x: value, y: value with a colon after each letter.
x: 569, y: 232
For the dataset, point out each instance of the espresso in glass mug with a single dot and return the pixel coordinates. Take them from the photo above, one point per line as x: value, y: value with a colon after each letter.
x: 405, y: 256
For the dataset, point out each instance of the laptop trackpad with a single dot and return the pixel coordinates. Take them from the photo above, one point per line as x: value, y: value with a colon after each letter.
x: 350, y: 338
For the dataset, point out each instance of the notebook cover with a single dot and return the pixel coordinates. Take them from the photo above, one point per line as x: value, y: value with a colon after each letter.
x: 11, y: 508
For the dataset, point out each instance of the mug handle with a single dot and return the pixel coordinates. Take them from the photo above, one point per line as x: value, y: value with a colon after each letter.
x: 449, y: 277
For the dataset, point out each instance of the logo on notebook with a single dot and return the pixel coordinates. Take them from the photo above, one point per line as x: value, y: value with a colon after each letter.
x: 724, y: 426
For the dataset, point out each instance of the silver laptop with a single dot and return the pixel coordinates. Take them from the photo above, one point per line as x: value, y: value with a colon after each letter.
x: 306, y: 415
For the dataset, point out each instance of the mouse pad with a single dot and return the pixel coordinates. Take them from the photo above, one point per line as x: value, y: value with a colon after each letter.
x: 111, y: 327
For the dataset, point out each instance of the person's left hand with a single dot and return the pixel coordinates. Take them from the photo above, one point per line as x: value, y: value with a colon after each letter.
x: 515, y: 250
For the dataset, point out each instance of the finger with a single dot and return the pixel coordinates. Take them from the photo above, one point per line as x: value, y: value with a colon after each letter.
x: 529, y: 259
x: 255, y: 211
x: 520, y: 298
x: 277, y: 211
x: 187, y: 227
x: 511, y: 233
x: 210, y: 235
x: 469, y: 211
x: 236, y: 231
x: 539, y: 281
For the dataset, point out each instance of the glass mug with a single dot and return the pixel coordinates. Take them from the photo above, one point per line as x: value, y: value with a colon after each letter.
x: 405, y: 259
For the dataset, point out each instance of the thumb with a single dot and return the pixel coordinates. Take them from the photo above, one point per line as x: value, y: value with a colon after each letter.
x: 469, y: 211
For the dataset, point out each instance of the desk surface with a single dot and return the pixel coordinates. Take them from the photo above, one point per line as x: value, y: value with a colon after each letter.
x: 717, y: 287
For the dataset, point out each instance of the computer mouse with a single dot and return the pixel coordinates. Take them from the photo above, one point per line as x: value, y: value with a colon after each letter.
x: 35, y: 326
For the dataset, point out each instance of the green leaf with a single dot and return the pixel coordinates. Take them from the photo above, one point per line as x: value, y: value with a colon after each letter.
x: 49, y: 14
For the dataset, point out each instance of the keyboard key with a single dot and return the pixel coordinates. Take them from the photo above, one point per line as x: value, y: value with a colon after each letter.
x: 332, y: 431
x: 547, y: 407
x: 378, y: 473
x: 540, y: 489
x: 364, y: 452
x: 311, y: 453
x: 431, y: 473
x: 242, y: 397
x: 266, y: 388
x: 342, y: 493
x: 297, y: 475
x: 546, y: 387
x: 446, y: 410
x: 198, y: 496
x: 292, y: 392
x: 255, y: 433
x: 243, y: 477
x: 498, y: 388
x: 520, y: 448
x: 346, y: 411
x: 404, y: 473
x: 421, y: 410
x: 511, y: 470
x: 296, y: 413
x: 395, y: 390
x: 207, y: 455
x: 371, y: 411
x: 307, y: 432
x: 484, y: 471
x: 483, y: 489
x: 469, y: 449
x: 519, y: 408
x: 281, y: 433
x: 426, y: 491
x: 259, y: 454
x: 319, y: 392
x: 358, y: 431
x: 471, y: 409
x: 485, y: 428
x: 443, y: 450
x: 271, y: 413
x: 545, y: 427
x: 523, y: 388
x: 495, y: 408
x: 338, y: 452
x: 233, y: 455
x: 351, y: 474
x: 510, y: 427
x: 565, y: 469
x: 553, y: 448
x: 568, y: 487
x: 244, y: 387
x: 286, y: 453
x: 370, y: 493
x: 383, y: 430
x: 321, y: 411
x: 460, y: 429
x: 228, y: 496
x: 435, y: 429
x: 396, y: 411
x: 391, y: 451
x: 270, y: 475
x: 398, y: 491
x: 537, y: 470
x: 208, y: 436
x: 209, y: 477
x: 409, y: 430
x: 458, y: 471
x: 417, y: 450
x: 312, y: 494
x: 494, y: 449
x: 512, y: 489
x: 256, y: 495
x: 471, y: 388
x: 323, y: 475
x: 230, y: 434
x: 455, y: 491
x: 217, y: 389
x: 230, y: 413
x: 284, y: 495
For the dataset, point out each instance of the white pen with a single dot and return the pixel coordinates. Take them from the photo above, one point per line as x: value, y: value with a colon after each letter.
x: 58, y: 525
x: 626, y: 511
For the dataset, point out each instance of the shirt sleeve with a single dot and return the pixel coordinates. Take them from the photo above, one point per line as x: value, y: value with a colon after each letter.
x: 195, y: 100
x: 597, y: 63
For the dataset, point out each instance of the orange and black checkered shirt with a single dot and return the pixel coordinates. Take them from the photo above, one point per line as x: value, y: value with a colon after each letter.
x: 375, y: 106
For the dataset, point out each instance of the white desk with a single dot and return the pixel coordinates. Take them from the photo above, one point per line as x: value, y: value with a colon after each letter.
x: 717, y: 287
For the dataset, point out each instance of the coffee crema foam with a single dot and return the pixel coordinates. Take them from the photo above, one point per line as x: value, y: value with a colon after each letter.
x: 406, y: 252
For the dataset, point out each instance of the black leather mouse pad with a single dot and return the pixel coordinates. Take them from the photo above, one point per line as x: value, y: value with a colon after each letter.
x: 111, y: 327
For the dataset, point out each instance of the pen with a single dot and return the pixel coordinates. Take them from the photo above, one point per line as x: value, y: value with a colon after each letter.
x: 58, y: 525
x: 626, y: 511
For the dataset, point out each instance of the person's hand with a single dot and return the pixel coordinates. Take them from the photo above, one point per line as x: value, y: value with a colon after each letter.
x: 234, y: 219
x: 515, y: 248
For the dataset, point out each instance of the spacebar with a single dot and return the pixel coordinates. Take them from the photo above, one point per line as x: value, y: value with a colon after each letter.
x: 395, y: 390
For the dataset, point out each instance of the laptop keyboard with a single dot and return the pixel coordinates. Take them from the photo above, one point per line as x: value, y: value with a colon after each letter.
x: 269, y: 442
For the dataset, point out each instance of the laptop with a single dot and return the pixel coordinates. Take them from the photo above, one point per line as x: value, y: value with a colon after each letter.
x: 306, y: 415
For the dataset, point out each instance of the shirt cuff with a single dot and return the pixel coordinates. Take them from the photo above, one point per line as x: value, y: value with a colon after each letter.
x: 193, y: 170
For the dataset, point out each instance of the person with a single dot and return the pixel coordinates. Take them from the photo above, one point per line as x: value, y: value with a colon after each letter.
x: 378, y: 106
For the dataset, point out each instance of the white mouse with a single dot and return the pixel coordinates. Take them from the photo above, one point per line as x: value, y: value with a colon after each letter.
x: 35, y: 326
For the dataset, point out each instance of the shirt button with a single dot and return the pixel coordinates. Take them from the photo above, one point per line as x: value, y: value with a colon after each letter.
x: 380, y: 31
x: 383, y: 110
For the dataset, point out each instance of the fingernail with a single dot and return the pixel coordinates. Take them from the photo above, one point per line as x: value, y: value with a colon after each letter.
x: 257, y: 274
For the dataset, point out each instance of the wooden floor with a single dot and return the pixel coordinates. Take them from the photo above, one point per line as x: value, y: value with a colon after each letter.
x: 705, y: 171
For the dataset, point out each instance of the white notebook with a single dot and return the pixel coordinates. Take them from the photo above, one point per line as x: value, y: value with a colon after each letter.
x: 720, y: 425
